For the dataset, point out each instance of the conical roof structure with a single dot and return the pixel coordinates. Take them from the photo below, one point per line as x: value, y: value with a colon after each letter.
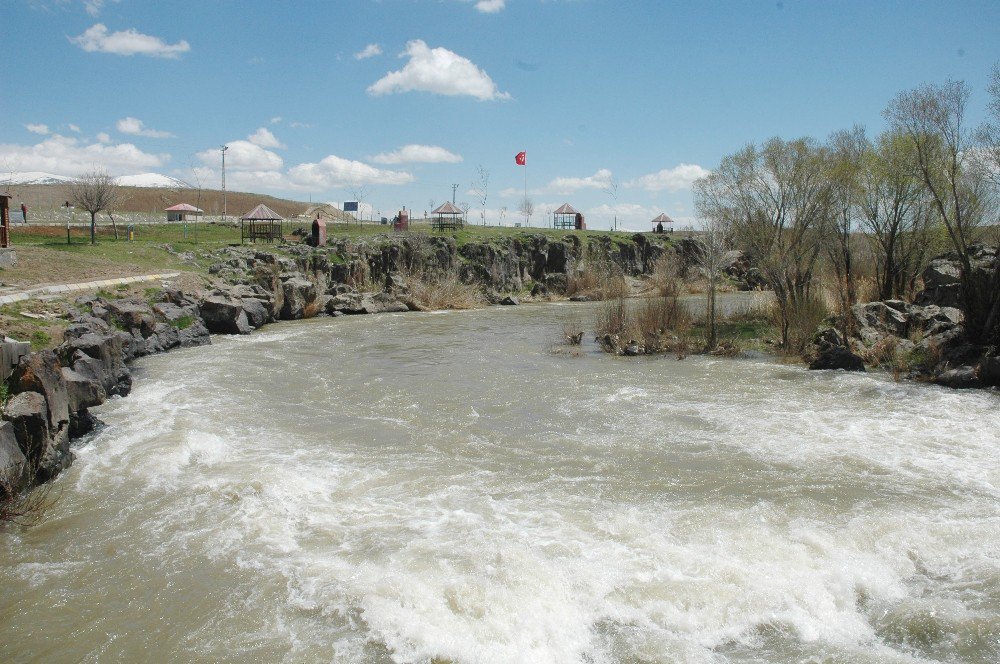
x: 262, y: 213
x: 566, y: 208
x: 662, y: 219
x: 446, y: 208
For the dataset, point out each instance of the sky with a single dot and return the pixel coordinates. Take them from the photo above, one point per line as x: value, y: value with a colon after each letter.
x: 619, y: 105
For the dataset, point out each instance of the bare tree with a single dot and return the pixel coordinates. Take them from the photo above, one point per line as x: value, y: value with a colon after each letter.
x: 961, y: 193
x: 988, y: 152
x: 894, y: 213
x: 527, y: 208
x: 503, y: 213
x: 713, y: 244
x: 612, y: 190
x: 464, y: 207
x: 96, y: 192
x: 360, y: 192
x: 775, y: 200
x: 481, y: 188
x: 846, y: 154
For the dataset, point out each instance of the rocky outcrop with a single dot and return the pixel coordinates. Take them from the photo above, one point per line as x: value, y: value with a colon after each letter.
x: 837, y: 358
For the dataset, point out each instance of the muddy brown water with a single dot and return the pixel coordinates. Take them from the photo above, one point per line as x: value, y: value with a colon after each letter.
x: 454, y: 487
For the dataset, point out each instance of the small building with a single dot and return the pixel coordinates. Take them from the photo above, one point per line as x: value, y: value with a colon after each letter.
x: 567, y: 217
x: 261, y: 223
x: 183, y: 212
x: 8, y: 258
x: 446, y: 217
x: 659, y: 221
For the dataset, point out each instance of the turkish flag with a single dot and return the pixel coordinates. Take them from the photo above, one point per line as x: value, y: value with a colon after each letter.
x: 521, y: 158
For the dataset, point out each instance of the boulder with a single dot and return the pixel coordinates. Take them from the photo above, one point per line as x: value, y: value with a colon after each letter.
x: 12, y: 461
x: 257, y: 313
x: 942, y: 283
x: 224, y: 316
x: 298, y: 293
x: 964, y: 377
x: 108, y: 360
x: 380, y: 303
x: 509, y: 301
x: 875, y: 320
x: 837, y: 357
x: 132, y: 314
x: 989, y: 371
x: 45, y: 448
x: 42, y: 373
x: 84, y: 391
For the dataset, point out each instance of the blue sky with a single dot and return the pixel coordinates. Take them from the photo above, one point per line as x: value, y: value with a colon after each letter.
x: 406, y: 97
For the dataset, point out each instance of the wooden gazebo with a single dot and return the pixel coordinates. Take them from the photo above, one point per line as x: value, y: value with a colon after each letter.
x: 446, y: 217
x: 659, y: 221
x: 261, y: 223
x: 567, y: 217
x: 183, y: 212
x: 4, y: 220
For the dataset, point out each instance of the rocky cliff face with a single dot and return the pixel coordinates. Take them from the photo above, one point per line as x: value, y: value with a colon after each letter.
x: 926, y: 339
x: 51, y: 392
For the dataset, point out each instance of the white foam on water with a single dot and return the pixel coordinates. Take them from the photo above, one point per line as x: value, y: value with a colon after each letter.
x: 704, y: 511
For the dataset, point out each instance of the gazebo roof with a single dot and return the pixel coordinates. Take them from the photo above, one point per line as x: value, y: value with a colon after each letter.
x: 446, y: 208
x: 262, y: 213
x: 565, y: 208
x: 182, y: 207
x: 662, y: 219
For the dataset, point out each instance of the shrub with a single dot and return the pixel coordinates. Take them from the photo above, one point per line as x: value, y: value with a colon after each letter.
x: 803, y: 317
x: 443, y: 292
x: 183, y: 322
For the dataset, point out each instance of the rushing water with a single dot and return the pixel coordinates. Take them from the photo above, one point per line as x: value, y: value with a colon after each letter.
x: 448, y: 487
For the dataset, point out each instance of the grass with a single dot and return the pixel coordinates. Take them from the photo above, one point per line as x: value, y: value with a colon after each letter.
x: 183, y: 322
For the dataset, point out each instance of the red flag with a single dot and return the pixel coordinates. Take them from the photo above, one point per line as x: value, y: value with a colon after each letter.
x: 521, y: 158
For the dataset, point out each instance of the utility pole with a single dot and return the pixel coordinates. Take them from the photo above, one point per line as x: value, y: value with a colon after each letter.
x: 454, y: 188
x: 224, y: 208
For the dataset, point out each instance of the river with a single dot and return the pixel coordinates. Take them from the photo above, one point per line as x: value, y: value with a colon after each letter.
x: 457, y: 487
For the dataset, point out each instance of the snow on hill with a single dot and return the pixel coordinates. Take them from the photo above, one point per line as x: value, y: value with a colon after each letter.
x: 151, y: 180
x: 33, y: 177
x: 142, y: 180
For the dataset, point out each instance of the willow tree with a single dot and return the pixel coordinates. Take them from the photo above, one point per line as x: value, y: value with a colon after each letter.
x: 97, y: 192
x: 895, y: 214
x: 846, y: 156
x: 961, y: 192
x: 775, y: 202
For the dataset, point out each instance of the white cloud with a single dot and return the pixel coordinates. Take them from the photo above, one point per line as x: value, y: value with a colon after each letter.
x: 135, y: 127
x: 276, y: 119
x: 334, y: 171
x: 74, y: 128
x: 677, y: 178
x: 369, y: 51
x: 300, y: 125
x: 428, y: 154
x: 264, y: 139
x: 243, y: 156
x: 127, y: 42
x: 94, y: 7
x: 65, y: 155
x: 103, y: 138
x: 490, y: 6
x: 599, y: 180
x: 37, y: 128
x: 438, y: 71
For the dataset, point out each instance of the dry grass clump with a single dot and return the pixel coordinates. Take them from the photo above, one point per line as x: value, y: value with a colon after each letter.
x: 803, y: 318
x: 651, y: 325
x: 24, y: 508
x: 597, y: 279
x: 573, y: 332
x: 667, y: 277
x: 445, y: 291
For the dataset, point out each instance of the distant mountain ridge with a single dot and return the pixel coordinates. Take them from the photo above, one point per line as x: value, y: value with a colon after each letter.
x: 155, y: 180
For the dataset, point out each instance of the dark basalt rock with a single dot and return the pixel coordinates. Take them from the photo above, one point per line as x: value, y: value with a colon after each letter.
x: 837, y: 357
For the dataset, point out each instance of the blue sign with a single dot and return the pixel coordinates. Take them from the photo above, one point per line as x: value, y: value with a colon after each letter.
x: 350, y: 206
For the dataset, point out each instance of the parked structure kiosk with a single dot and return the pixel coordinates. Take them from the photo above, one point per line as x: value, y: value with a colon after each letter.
x: 659, y: 221
x: 567, y: 217
x: 447, y: 217
x: 8, y: 258
x: 183, y: 212
x: 261, y: 223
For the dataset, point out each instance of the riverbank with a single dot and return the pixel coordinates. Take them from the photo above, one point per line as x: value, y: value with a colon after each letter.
x: 49, y: 393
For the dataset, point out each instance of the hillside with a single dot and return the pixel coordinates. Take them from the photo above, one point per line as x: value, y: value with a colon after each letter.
x: 41, y: 197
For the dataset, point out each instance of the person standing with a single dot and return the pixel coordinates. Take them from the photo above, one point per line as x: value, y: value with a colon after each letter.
x: 24, y: 211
